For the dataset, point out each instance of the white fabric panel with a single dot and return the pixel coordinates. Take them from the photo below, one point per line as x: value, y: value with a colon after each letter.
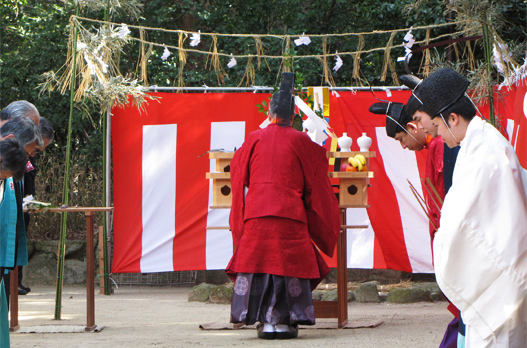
x: 510, y: 132
x: 360, y: 241
x: 159, y: 203
x: 227, y: 136
x: 401, y: 165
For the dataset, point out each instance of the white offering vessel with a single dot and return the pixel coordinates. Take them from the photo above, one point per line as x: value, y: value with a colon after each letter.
x: 345, y: 142
x: 364, y: 143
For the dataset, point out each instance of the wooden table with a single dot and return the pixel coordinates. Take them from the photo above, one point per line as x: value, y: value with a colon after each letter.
x: 359, y: 199
x: 89, y: 212
x: 339, y: 308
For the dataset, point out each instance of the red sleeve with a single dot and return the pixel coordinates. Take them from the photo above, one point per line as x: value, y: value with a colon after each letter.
x: 322, y: 209
x: 239, y: 179
x: 434, y: 171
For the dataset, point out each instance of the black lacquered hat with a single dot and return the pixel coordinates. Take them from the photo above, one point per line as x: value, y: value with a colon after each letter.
x: 396, y: 119
x: 413, y: 104
x: 441, y: 90
x: 410, y: 81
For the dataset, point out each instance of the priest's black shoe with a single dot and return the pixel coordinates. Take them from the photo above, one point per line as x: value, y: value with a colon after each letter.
x: 266, y: 331
x: 22, y: 291
x: 26, y: 288
x: 285, y: 332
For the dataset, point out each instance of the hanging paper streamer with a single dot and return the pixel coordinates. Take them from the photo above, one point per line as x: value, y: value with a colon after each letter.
x: 303, y: 40
x: 166, y: 54
x: 104, y: 66
x: 518, y: 74
x: 407, y: 44
x: 90, y: 64
x: 501, y: 56
x: 318, y: 128
x: 232, y: 62
x: 124, y: 31
x: 195, y: 39
x: 338, y: 63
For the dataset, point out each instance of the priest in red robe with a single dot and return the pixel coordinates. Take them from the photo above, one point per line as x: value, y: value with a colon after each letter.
x: 283, y: 212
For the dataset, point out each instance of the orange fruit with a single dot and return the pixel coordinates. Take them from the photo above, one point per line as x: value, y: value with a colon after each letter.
x: 351, y: 169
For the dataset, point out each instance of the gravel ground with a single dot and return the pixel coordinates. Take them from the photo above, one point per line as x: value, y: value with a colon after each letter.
x: 162, y: 317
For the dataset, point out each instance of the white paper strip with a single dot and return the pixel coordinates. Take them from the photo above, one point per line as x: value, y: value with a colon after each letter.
x: 166, y: 54
x: 303, y: 40
x: 124, y: 31
x: 159, y: 185
x: 232, y: 62
x: 195, y: 39
x: 228, y: 136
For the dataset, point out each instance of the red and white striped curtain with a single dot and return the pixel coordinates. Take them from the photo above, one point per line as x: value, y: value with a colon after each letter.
x: 162, y: 198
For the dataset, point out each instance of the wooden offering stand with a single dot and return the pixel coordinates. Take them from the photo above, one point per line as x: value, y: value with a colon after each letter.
x: 221, y: 180
x: 353, y: 186
x: 353, y: 193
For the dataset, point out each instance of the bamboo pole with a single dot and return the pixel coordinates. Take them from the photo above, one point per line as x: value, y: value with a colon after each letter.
x: 422, y: 207
x: 65, y: 188
x: 487, y: 41
x: 106, y: 201
x: 430, y: 195
x: 417, y: 195
x: 434, y: 190
x: 106, y: 178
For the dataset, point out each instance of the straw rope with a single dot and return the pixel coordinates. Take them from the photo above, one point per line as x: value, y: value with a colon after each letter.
x: 272, y: 35
x: 286, y: 38
x: 104, y: 45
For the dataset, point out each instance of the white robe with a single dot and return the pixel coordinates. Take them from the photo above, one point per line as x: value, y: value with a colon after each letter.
x: 480, y: 250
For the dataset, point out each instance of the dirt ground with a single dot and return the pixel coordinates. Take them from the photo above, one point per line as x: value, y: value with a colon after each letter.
x: 162, y: 317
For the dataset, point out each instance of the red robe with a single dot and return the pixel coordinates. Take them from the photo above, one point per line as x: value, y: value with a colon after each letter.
x: 289, y: 205
x: 434, y: 171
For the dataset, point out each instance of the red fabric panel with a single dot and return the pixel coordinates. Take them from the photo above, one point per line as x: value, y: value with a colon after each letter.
x: 193, y: 113
x: 351, y: 110
x: 509, y: 105
x: 520, y: 123
x: 127, y: 136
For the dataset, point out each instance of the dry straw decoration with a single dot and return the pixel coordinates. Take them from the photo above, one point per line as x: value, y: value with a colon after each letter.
x: 96, y: 59
x: 328, y: 78
x: 356, y: 59
x: 250, y: 73
x: 388, y: 62
x: 216, y: 57
x: 215, y: 61
x: 426, y: 57
x: 182, y: 55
